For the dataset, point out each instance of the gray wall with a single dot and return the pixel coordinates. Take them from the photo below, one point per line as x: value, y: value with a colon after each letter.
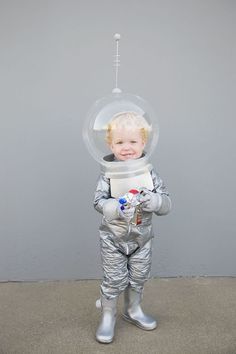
x: 56, y: 60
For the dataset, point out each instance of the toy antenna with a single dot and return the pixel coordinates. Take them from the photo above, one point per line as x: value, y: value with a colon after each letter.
x: 116, y: 63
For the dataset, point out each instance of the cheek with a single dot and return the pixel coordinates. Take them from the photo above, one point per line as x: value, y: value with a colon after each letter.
x: 141, y: 146
x: 113, y: 148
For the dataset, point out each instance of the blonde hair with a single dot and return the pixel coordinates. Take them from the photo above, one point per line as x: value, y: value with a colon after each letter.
x: 128, y: 120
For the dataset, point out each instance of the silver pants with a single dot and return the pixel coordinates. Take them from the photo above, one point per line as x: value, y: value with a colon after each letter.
x: 121, y: 269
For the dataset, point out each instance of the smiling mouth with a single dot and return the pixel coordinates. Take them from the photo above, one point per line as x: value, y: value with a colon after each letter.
x: 125, y: 155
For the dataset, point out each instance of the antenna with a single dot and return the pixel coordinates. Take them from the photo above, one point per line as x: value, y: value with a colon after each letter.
x: 116, y: 63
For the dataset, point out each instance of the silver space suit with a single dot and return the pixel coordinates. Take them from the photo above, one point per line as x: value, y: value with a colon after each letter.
x: 125, y: 247
x: 125, y: 125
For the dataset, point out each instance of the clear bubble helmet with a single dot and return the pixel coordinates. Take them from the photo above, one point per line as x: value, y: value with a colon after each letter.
x: 95, y: 132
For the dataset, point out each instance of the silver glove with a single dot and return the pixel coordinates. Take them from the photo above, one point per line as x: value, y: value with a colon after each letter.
x: 112, y: 210
x: 150, y: 202
x: 127, y: 213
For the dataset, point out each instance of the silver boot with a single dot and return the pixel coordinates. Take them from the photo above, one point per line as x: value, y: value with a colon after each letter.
x: 105, y: 331
x: 133, y: 311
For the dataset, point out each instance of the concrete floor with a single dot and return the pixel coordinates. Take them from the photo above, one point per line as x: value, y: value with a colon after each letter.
x: 195, y: 315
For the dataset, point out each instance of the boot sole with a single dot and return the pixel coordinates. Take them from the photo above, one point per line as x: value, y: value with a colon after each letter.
x: 136, y: 323
x: 105, y: 341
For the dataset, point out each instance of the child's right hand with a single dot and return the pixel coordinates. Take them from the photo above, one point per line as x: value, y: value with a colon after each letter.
x: 127, y: 213
x: 112, y: 210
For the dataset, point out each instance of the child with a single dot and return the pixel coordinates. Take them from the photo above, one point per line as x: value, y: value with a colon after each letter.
x: 126, y: 244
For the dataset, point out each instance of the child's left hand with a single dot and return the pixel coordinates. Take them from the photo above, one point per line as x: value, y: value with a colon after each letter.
x: 150, y: 202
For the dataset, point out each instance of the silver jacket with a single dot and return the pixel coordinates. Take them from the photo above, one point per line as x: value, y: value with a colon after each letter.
x: 126, y: 235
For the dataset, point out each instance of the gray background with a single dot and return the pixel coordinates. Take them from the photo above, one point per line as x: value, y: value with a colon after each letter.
x: 56, y: 60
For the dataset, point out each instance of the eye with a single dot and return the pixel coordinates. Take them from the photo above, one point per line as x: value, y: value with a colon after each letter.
x: 119, y: 142
x: 133, y: 141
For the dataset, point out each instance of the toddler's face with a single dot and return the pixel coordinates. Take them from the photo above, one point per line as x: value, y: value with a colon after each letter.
x: 127, y: 143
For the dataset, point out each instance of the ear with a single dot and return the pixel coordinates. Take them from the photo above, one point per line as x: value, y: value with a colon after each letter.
x: 111, y: 147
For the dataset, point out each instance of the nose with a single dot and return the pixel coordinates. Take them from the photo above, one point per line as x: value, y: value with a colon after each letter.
x: 126, y: 146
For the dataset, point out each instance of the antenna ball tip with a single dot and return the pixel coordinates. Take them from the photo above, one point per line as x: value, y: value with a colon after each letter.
x: 117, y: 36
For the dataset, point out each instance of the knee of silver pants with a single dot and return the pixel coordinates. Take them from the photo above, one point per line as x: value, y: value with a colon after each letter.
x: 121, y: 270
x: 139, y: 265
